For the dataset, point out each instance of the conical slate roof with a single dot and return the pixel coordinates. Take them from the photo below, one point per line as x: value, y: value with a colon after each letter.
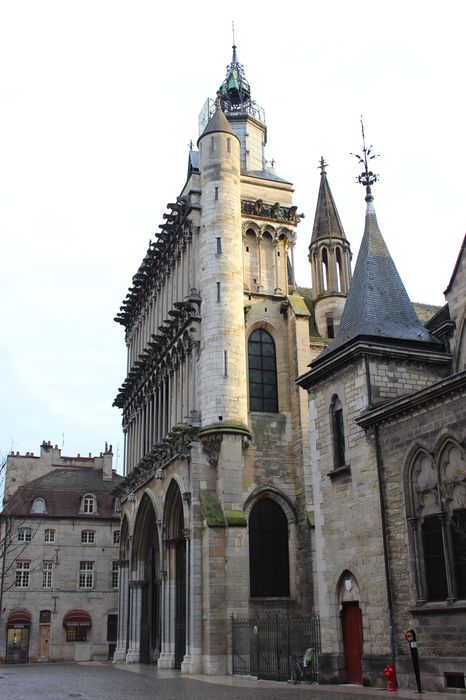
x: 378, y: 304
x: 327, y: 222
x: 218, y: 122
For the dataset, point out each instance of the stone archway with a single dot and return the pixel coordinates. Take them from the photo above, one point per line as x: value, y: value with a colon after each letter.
x: 351, y: 626
x: 146, y: 564
x: 175, y: 595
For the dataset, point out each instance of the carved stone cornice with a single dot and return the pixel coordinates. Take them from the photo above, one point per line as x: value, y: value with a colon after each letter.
x: 273, y: 211
x: 177, y: 443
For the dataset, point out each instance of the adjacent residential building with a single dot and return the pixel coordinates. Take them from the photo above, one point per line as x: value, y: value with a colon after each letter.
x: 59, y: 539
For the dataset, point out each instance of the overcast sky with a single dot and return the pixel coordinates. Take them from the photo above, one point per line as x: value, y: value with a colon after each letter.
x: 98, y: 102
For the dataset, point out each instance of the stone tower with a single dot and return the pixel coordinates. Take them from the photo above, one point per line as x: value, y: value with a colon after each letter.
x: 330, y: 258
x: 215, y: 500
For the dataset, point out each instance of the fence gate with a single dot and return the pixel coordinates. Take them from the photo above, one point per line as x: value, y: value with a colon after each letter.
x: 261, y: 646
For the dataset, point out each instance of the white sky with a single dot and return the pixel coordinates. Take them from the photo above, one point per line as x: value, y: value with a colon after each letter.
x: 98, y: 102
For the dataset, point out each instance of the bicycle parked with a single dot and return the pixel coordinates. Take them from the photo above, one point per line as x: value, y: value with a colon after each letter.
x: 302, y: 668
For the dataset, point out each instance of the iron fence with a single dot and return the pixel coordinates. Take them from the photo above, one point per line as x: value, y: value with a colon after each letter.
x: 261, y: 646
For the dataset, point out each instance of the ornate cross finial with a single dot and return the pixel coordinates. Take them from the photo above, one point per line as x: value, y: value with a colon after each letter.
x: 322, y: 165
x: 367, y: 177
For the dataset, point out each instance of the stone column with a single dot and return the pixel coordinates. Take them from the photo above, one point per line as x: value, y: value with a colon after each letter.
x: 259, y: 261
x: 167, y: 642
x: 122, y: 638
x: 135, y: 588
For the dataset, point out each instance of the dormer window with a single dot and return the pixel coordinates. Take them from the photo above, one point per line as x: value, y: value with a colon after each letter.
x: 39, y: 505
x: 89, y: 504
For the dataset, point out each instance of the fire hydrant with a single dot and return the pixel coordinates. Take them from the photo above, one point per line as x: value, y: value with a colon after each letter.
x: 389, y: 673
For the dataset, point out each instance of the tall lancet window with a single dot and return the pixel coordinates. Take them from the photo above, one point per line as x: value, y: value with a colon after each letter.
x: 339, y: 280
x: 338, y: 430
x: 325, y: 269
x: 263, y: 394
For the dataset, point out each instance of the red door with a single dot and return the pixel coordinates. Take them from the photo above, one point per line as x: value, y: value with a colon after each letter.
x: 351, y: 618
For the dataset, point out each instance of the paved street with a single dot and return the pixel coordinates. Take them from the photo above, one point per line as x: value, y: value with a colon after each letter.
x: 95, y: 681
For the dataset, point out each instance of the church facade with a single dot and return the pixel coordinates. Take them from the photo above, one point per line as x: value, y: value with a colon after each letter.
x: 215, y: 500
x: 247, y: 491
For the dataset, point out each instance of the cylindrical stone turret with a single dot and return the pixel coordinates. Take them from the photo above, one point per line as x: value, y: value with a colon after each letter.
x: 222, y: 364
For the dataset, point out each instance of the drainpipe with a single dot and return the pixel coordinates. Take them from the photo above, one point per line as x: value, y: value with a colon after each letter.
x: 380, y: 475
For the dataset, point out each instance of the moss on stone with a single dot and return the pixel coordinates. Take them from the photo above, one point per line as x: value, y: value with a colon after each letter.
x: 268, y: 430
x: 235, y: 518
x: 298, y: 305
x: 212, y: 509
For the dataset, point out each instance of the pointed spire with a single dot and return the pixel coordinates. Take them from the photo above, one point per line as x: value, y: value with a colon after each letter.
x: 327, y: 222
x: 235, y: 89
x: 218, y: 121
x: 378, y: 305
x: 234, y: 58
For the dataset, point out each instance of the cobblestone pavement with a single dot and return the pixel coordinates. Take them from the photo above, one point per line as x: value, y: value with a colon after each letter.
x: 102, y: 681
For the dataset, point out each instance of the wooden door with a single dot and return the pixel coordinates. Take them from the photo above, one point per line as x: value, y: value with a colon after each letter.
x: 44, y: 642
x: 351, y: 618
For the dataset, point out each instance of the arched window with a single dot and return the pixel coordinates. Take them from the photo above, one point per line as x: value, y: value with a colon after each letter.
x: 441, y: 571
x: 339, y: 280
x: 88, y: 504
x: 38, y: 505
x: 269, y: 568
x: 338, y: 430
x: 262, y: 372
x: 325, y: 269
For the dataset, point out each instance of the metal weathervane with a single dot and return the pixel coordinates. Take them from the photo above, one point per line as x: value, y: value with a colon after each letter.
x: 367, y: 177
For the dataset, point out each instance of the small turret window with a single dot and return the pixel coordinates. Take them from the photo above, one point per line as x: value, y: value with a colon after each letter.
x: 325, y: 268
x: 338, y: 433
x: 339, y: 270
x: 330, y: 325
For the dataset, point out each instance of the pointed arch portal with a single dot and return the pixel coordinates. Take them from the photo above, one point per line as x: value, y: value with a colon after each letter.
x: 147, y: 552
x: 176, y: 565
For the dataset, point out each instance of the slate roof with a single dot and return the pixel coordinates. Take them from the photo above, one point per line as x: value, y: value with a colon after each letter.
x: 266, y: 175
x: 378, y: 305
x: 63, y: 490
x: 327, y: 222
x: 218, y: 122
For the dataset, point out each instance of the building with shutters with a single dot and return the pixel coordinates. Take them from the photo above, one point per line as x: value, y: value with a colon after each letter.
x: 59, y: 539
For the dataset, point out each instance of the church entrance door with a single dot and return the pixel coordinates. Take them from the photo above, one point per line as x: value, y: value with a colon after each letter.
x: 351, y: 618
